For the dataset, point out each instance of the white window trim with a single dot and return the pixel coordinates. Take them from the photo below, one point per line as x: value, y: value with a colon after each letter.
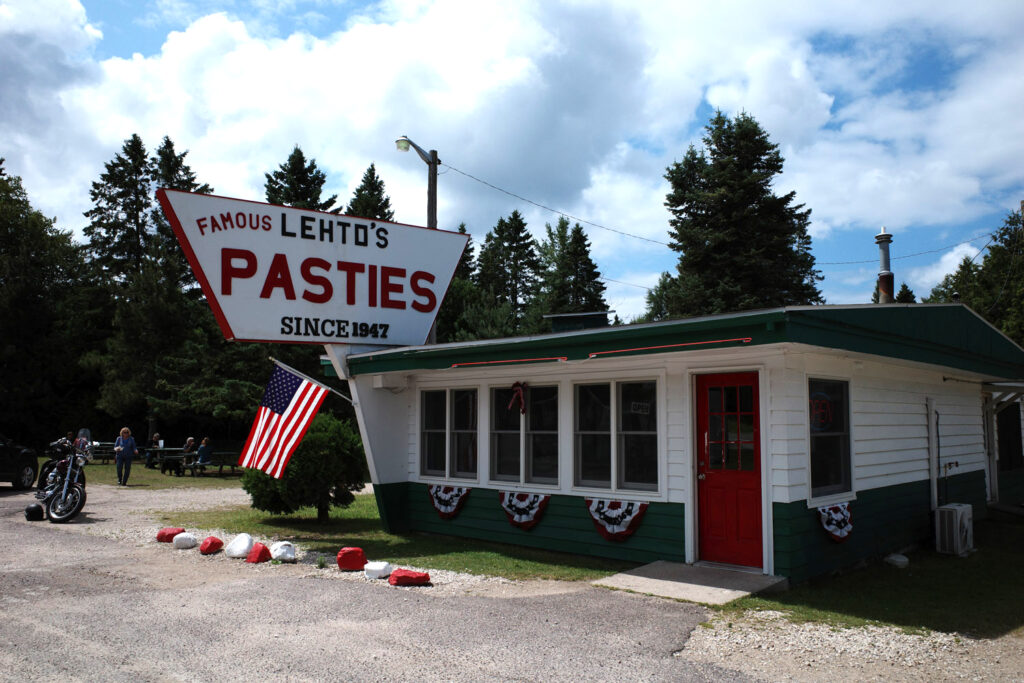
x: 522, y: 483
x: 448, y: 476
x: 614, y: 434
x: 843, y: 496
x: 565, y: 379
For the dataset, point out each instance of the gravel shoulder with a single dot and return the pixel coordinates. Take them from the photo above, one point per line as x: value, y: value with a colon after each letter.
x: 753, y: 645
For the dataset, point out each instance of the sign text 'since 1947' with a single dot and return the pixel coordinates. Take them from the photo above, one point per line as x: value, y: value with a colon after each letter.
x: 275, y: 273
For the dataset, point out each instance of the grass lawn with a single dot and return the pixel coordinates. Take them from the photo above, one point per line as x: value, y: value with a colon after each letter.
x: 359, y: 525
x: 152, y: 479
x: 981, y: 595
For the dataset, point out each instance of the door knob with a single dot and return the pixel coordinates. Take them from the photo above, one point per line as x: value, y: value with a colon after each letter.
x: 700, y: 476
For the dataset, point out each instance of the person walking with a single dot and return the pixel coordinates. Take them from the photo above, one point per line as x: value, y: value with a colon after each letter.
x: 124, y: 451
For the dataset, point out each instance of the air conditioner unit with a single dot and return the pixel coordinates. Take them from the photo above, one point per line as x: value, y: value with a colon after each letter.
x: 954, y: 529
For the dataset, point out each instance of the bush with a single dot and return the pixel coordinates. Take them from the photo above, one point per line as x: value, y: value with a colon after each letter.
x: 326, y: 468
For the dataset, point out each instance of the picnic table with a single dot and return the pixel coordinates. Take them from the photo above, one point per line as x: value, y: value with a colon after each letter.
x: 173, y: 461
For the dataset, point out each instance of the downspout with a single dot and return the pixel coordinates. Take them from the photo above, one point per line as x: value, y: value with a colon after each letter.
x: 933, y: 451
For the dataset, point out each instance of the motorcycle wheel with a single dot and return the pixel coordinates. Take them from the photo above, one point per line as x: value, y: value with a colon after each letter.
x: 73, y: 504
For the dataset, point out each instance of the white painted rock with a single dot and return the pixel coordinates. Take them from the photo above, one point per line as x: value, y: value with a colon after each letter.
x: 377, y: 570
x: 897, y: 560
x: 283, y: 551
x: 239, y: 546
x: 184, y: 541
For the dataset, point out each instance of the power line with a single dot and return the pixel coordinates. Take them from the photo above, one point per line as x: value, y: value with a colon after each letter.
x: 919, y: 253
x: 556, y: 211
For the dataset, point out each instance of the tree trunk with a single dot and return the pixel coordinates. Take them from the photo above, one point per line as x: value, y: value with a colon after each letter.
x: 323, y: 512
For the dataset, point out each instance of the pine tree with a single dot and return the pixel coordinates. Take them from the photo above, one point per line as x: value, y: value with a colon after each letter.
x: 905, y: 295
x: 299, y: 184
x: 171, y: 172
x: 369, y: 199
x: 508, y: 270
x: 658, y: 300
x: 741, y: 247
x: 571, y: 281
x: 462, y: 294
x: 120, y: 229
x: 586, y: 293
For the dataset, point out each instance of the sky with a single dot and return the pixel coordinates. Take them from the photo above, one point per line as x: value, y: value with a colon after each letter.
x: 908, y: 115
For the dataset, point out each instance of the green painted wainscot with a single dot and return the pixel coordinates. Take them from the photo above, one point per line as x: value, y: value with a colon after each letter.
x: 884, y: 520
x: 565, y: 527
x: 1011, y: 487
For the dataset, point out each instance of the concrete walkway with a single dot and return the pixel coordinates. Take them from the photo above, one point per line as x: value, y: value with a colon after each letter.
x: 704, y: 584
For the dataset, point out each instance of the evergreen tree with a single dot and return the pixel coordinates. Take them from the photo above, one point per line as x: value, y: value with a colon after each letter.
x: 45, y: 322
x: 462, y: 294
x: 299, y: 184
x: 171, y: 172
x: 324, y: 471
x: 658, y: 300
x: 570, y: 282
x: 741, y: 246
x: 369, y: 199
x: 119, y: 229
x: 508, y: 270
x: 905, y: 295
x: 960, y: 286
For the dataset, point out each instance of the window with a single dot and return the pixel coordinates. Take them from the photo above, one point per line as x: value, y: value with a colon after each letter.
x: 624, y: 434
x: 524, y: 448
x: 448, y: 444
x: 829, y: 419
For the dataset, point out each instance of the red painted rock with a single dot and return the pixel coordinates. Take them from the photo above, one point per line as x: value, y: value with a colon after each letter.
x: 407, y: 577
x: 351, y: 559
x: 167, y: 535
x: 259, y: 553
x: 210, y: 545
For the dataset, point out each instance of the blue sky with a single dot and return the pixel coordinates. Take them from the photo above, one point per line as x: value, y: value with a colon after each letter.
x: 905, y: 114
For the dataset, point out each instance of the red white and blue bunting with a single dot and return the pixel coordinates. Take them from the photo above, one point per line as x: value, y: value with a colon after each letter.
x: 448, y: 500
x: 836, y: 521
x: 616, y: 520
x: 523, y: 510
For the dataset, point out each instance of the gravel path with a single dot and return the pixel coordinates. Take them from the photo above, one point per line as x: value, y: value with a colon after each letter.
x: 754, y: 646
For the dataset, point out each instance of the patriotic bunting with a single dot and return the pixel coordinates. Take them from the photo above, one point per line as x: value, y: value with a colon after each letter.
x: 523, y: 510
x: 616, y: 520
x: 836, y: 521
x: 447, y: 500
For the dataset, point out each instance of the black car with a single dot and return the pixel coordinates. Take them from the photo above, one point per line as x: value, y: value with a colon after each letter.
x: 18, y: 464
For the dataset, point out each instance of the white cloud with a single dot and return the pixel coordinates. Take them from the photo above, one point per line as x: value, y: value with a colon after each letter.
x: 578, y: 106
x: 923, y: 278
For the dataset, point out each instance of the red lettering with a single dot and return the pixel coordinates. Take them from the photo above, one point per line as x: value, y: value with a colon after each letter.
x: 264, y: 223
x: 201, y: 223
x: 387, y: 287
x: 214, y: 225
x: 326, y: 290
x: 373, y: 286
x: 278, y: 277
x: 428, y: 294
x: 350, y: 269
x: 229, y: 271
x: 227, y: 220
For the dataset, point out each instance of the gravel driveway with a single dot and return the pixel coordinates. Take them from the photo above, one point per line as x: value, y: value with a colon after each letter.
x: 100, y: 599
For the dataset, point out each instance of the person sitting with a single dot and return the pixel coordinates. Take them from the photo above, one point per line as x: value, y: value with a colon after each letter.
x: 204, y: 456
x: 151, y: 453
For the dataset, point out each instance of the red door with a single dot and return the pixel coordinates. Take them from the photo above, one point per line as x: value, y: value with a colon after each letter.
x: 729, y: 469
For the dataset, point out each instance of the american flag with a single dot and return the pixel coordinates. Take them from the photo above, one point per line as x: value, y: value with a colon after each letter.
x: 287, y: 408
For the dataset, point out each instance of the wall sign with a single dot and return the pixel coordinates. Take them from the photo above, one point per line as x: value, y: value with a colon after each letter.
x: 274, y: 273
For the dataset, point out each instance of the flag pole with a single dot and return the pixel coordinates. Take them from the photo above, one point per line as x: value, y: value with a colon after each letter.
x: 309, y: 379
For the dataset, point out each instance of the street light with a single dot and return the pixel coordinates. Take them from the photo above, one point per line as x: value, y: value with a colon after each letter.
x: 430, y: 159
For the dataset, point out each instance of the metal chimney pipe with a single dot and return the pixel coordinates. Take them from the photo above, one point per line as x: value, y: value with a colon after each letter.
x: 885, y: 276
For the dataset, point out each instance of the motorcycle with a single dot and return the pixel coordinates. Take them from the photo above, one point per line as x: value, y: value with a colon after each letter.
x: 59, y: 450
x: 63, y: 494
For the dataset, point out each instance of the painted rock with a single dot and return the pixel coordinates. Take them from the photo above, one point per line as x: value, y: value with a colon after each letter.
x: 351, y: 559
x: 259, y: 553
x: 407, y: 577
x: 210, y: 545
x: 167, y: 534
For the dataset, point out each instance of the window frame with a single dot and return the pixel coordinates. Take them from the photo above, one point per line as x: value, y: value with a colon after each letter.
x: 524, y: 477
x: 823, y: 495
x: 616, y: 437
x: 450, y: 454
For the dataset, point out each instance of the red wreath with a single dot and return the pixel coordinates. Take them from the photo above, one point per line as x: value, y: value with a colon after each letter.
x: 523, y: 510
x: 616, y: 520
x: 447, y: 500
x: 518, y: 390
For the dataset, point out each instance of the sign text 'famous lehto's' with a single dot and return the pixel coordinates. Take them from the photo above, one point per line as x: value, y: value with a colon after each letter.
x: 274, y: 273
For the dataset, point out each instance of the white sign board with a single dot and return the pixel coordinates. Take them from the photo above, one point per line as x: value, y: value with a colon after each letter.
x: 280, y: 274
